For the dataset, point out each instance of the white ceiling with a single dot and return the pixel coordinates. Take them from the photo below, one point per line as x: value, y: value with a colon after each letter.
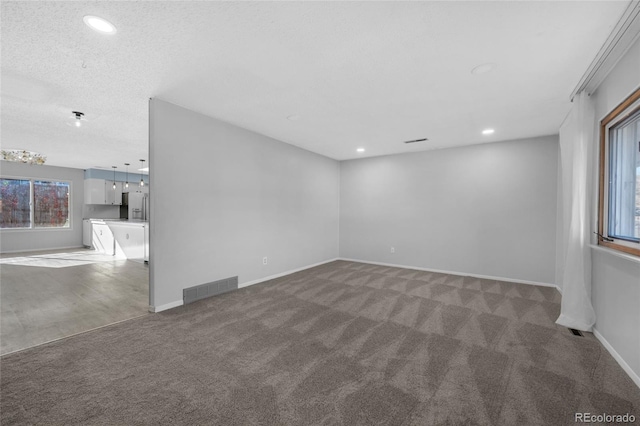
x: 358, y: 74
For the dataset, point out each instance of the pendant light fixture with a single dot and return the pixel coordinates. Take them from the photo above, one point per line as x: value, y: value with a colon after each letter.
x: 76, y: 119
x: 22, y: 156
x: 114, y: 177
x: 126, y: 184
x: 141, y: 167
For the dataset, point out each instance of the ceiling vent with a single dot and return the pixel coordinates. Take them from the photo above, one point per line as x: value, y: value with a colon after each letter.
x: 417, y: 140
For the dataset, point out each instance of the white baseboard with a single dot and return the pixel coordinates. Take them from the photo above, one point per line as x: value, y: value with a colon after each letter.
x: 42, y: 249
x: 632, y: 374
x: 166, y: 306
x: 177, y: 303
x: 282, y: 274
x: 627, y: 369
x: 486, y: 277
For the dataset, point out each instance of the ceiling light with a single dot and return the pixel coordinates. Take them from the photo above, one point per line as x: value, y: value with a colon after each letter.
x: 126, y: 183
x: 114, y: 177
x: 488, y: 131
x: 417, y: 140
x: 99, y: 24
x: 141, y: 167
x: 360, y: 149
x: 483, y: 69
x: 23, y: 156
x: 76, y: 119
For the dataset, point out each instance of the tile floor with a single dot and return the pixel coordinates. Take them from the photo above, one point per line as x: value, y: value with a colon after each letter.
x: 46, y: 296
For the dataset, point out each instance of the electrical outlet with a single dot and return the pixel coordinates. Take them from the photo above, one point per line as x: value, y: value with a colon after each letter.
x: 264, y: 260
x: 393, y: 249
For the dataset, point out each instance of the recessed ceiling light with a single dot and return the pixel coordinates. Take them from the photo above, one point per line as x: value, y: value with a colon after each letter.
x: 360, y: 149
x: 293, y: 117
x: 488, y: 131
x: 483, y: 69
x: 99, y: 24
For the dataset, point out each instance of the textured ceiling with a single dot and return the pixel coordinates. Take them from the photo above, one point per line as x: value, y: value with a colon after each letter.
x: 357, y: 74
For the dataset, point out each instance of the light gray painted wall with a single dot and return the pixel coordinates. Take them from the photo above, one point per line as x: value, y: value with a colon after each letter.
x: 616, y: 300
x: 560, y: 228
x: 240, y: 197
x: 44, y: 239
x: 96, y: 211
x: 615, y: 280
x: 485, y: 209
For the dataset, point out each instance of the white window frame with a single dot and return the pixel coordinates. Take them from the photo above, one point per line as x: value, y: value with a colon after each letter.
x: 32, y: 226
x: 627, y: 108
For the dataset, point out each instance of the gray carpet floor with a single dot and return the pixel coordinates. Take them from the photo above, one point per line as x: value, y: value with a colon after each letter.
x: 343, y: 343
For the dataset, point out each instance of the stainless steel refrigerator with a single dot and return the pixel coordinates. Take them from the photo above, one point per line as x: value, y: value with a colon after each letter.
x: 138, y: 206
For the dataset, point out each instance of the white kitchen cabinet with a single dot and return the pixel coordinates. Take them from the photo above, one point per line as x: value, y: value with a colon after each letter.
x: 86, y: 232
x: 94, y: 191
x: 113, y: 196
x: 102, y: 238
x: 129, y: 240
x: 100, y: 191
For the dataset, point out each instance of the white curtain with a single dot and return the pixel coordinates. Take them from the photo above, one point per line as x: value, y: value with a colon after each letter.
x: 577, y: 139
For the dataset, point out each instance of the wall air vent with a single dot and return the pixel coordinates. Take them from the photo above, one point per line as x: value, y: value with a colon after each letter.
x: 416, y: 140
x: 192, y: 294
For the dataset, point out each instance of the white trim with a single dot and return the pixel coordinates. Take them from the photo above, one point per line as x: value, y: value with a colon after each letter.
x: 487, y: 277
x: 282, y: 274
x: 291, y: 271
x: 621, y: 38
x: 43, y: 249
x: 616, y: 253
x: 40, y: 229
x: 166, y: 306
x: 627, y: 369
x: 74, y: 335
x: 32, y: 204
x: 177, y: 303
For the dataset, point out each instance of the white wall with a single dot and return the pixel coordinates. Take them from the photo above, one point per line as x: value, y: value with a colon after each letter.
x: 240, y: 197
x: 484, y: 210
x: 616, y: 280
x: 43, y: 239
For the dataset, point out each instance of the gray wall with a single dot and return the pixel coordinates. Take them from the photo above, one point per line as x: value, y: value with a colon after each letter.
x: 240, y: 196
x: 96, y: 211
x: 616, y: 280
x: 484, y: 210
x: 616, y: 300
x: 44, y: 239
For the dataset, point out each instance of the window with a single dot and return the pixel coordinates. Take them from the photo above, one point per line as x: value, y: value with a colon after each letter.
x: 32, y: 203
x: 14, y: 197
x: 619, y: 201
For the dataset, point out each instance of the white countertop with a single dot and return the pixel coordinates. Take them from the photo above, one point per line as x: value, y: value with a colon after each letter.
x: 120, y: 221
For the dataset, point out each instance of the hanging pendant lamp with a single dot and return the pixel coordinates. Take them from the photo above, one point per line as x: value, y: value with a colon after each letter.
x: 141, y: 167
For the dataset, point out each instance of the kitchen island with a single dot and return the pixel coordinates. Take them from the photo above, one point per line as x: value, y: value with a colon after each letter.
x: 124, y: 239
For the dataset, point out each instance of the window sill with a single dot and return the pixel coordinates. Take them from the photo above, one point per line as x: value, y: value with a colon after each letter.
x: 70, y: 228
x: 612, y: 252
